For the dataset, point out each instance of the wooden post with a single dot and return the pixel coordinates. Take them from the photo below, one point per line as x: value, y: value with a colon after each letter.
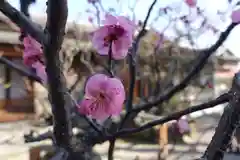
x: 163, y: 141
x: 136, y: 91
x: 34, y: 153
x: 146, y: 88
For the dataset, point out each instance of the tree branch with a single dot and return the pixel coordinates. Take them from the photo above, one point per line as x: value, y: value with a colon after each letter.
x: 30, y: 138
x: 23, y: 22
x: 200, y: 61
x: 57, y: 12
x: 24, y: 6
x: 222, y: 99
x: 227, y: 124
x: 111, y: 149
x: 132, y: 66
x: 19, y: 69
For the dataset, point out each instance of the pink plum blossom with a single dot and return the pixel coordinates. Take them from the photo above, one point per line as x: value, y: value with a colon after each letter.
x: 104, y: 97
x: 117, y: 31
x: 40, y: 71
x: 191, y: 3
x: 183, y: 126
x: 90, y: 19
x: 236, y: 16
x: 32, y: 51
x: 32, y: 56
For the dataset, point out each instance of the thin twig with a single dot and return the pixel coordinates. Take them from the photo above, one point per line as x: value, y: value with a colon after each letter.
x: 200, y: 61
x: 132, y: 77
x: 23, y: 71
x: 146, y: 20
x: 165, y: 96
x: 132, y: 65
x: 30, y: 138
x: 89, y: 67
x: 111, y: 149
x: 110, y: 61
x: 90, y: 122
x: 222, y: 99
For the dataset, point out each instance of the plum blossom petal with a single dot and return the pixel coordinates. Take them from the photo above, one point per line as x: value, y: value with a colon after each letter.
x: 120, y: 47
x: 40, y: 71
x: 92, y: 109
x: 100, y: 112
x: 98, y: 40
x: 125, y: 22
x: 183, y: 126
x: 116, y: 92
x: 128, y: 25
x: 104, y: 97
x: 117, y: 31
x: 110, y: 20
x: 32, y: 50
x: 191, y: 3
x: 90, y: 19
x: 31, y: 43
x: 95, y: 84
x: 236, y: 16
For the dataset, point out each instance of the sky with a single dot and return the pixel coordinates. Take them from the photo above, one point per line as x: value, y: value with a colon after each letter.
x: 77, y: 12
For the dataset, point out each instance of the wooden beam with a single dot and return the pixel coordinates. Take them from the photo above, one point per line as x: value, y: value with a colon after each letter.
x: 24, y: 104
x: 10, y: 50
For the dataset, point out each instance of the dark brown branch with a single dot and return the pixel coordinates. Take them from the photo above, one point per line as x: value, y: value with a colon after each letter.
x: 141, y: 33
x: 57, y: 12
x: 200, y: 61
x: 61, y: 154
x: 31, y: 138
x: 24, y: 6
x: 132, y: 66
x: 175, y: 116
x: 19, y: 69
x: 110, y: 61
x: 111, y: 149
x: 33, y: 76
x: 132, y: 77
x: 23, y: 22
x: 227, y: 124
x: 89, y: 121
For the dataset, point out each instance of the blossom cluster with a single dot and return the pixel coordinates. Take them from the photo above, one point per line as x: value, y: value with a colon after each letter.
x: 33, y: 57
x: 104, y: 95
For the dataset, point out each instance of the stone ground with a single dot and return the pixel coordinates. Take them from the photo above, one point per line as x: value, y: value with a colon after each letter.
x: 190, y: 151
x: 13, y: 148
